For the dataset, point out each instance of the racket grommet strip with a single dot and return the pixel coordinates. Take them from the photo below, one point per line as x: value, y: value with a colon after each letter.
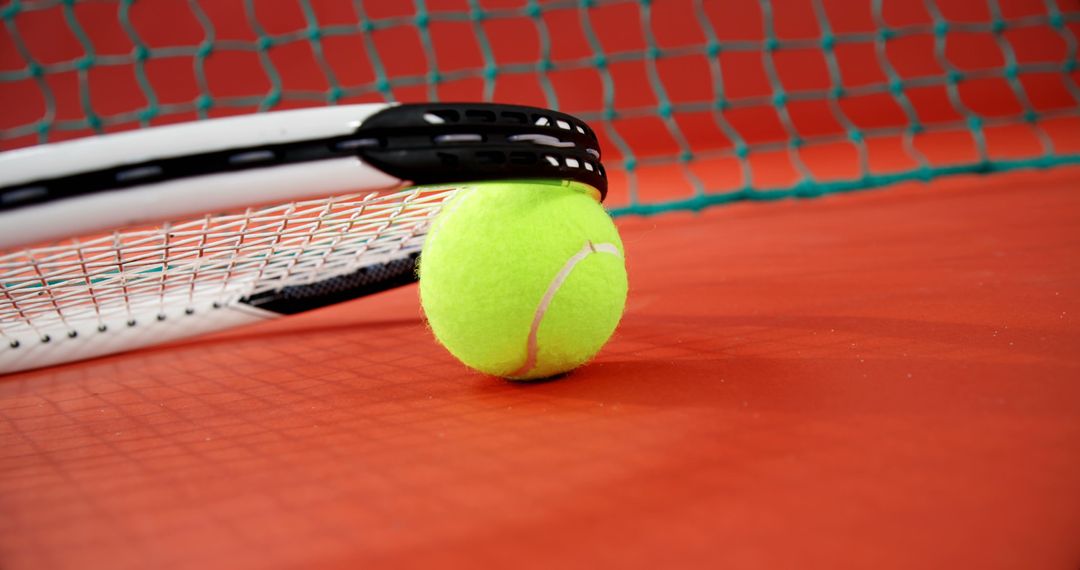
x: 438, y: 143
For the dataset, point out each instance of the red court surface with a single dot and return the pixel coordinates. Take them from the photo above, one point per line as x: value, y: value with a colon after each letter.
x: 888, y: 379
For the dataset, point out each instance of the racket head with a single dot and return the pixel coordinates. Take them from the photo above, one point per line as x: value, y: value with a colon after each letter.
x: 276, y: 214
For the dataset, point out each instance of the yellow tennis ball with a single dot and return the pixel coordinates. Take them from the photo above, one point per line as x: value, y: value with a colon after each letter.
x: 523, y: 279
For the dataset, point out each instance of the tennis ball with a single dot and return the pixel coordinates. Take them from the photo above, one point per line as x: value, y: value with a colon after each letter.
x: 523, y: 279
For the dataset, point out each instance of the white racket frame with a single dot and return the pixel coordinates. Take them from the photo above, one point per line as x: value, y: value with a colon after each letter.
x: 191, y: 196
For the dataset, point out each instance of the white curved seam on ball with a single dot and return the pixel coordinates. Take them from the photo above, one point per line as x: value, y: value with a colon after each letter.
x: 549, y: 295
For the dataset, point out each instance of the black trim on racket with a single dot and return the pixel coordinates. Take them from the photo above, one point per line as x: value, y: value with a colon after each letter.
x: 365, y: 281
x: 423, y: 143
x: 454, y: 142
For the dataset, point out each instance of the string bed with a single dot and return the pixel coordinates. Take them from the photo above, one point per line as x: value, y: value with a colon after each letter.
x: 206, y: 263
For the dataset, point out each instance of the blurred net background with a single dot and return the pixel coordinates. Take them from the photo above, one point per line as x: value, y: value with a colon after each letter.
x: 697, y: 102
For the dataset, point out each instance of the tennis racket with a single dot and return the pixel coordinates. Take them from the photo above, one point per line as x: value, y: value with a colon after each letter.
x: 127, y: 240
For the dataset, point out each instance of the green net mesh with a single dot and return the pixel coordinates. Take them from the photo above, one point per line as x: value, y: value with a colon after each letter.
x: 697, y: 102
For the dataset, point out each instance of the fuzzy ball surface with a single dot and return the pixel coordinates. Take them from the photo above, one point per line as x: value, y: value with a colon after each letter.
x: 523, y: 279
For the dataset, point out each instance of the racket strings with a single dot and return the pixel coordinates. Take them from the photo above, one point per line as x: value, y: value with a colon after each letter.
x: 212, y: 261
